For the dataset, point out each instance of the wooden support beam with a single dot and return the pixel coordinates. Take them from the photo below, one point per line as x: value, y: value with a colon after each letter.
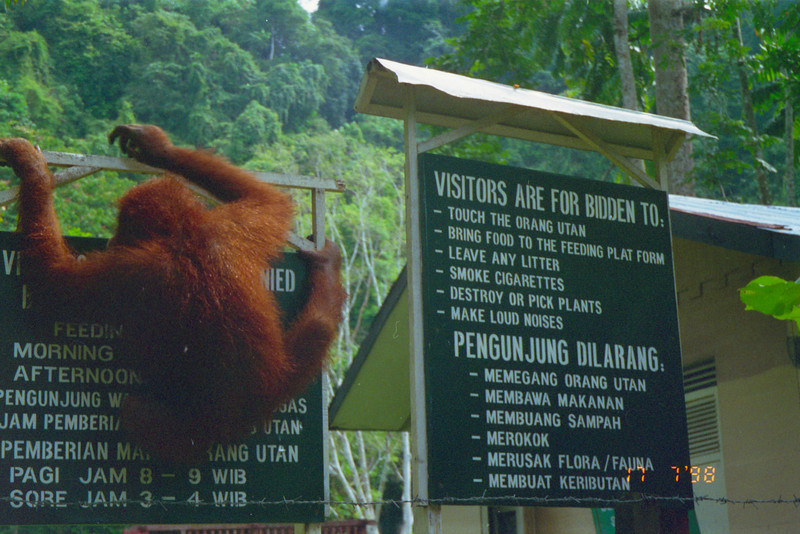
x: 468, y: 128
x: 81, y: 165
x: 427, y: 517
x: 300, y: 243
x: 599, y: 145
x: 660, y: 158
x: 501, y: 130
x: 673, y: 143
x: 318, y: 217
x: 110, y: 163
x: 64, y: 177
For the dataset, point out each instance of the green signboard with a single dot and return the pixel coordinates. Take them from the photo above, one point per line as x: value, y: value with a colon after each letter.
x: 552, y: 355
x: 64, y: 460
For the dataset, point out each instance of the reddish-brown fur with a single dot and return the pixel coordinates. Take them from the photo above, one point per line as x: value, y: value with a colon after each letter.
x: 186, y: 284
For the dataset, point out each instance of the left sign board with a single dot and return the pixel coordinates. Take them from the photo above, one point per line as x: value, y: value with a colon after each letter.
x: 63, y: 459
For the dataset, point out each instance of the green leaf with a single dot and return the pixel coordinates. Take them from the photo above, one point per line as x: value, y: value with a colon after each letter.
x: 773, y: 296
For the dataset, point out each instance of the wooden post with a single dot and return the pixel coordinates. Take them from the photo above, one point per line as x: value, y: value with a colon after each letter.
x: 648, y: 517
x: 427, y: 518
x: 318, y: 217
x: 660, y: 160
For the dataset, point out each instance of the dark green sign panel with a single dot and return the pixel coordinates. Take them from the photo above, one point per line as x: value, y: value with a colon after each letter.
x: 552, y: 356
x: 64, y: 461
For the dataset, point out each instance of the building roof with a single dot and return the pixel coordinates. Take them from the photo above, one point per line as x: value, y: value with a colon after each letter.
x: 375, y: 392
x: 453, y: 100
x: 770, y: 231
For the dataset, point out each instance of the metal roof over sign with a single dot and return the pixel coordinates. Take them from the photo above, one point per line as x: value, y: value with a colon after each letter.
x: 452, y: 100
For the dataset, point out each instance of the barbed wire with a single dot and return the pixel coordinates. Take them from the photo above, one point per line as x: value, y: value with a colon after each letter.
x: 19, y: 502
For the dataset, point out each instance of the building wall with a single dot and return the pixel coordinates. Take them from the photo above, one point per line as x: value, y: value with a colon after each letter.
x: 466, y: 519
x: 757, y: 385
x: 560, y: 520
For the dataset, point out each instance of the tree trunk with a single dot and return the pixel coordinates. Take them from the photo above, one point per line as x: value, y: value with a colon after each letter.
x: 750, y: 119
x: 623, y: 52
x: 672, y: 95
x: 622, y: 49
x: 788, y: 141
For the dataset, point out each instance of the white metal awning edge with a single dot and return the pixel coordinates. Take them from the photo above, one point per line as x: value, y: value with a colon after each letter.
x: 453, y: 101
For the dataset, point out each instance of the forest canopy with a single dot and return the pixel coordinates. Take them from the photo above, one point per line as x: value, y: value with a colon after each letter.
x: 240, y: 76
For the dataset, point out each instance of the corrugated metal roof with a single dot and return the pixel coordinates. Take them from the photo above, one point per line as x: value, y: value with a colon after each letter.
x: 781, y: 219
x: 769, y: 231
x: 452, y: 100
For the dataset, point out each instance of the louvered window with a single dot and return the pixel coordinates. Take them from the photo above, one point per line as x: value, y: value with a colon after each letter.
x: 701, y: 416
x: 700, y: 376
x: 705, y: 445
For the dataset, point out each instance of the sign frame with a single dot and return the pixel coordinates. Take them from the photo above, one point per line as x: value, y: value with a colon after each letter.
x: 509, y: 257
